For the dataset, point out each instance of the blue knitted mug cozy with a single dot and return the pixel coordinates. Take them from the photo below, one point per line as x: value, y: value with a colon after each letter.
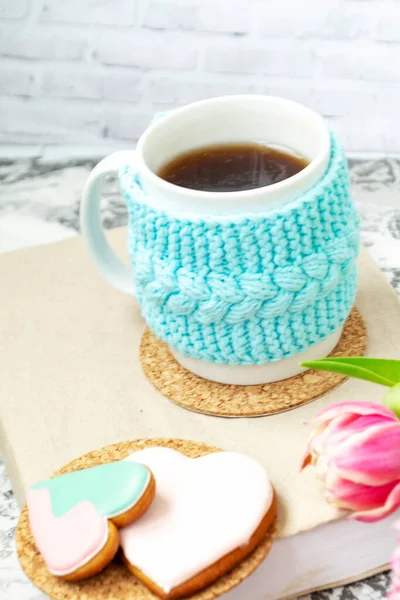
x: 247, y: 289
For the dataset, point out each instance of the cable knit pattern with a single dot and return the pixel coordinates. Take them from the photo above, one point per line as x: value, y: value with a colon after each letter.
x: 247, y: 289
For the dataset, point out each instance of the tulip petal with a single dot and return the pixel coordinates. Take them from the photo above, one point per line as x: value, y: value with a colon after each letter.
x: 362, y: 422
x: 325, y: 431
x: 307, y: 460
x: 394, y: 592
x: 371, y: 457
x: 328, y: 437
x: 322, y: 466
x: 356, y: 408
x: 376, y: 514
x: 344, y: 430
x: 354, y: 496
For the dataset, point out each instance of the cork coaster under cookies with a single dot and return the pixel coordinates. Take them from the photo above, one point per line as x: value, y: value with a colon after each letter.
x: 201, y: 395
x: 191, y: 538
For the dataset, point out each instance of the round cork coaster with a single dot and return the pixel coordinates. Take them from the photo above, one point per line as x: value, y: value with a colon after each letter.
x: 218, y: 399
x: 116, y: 581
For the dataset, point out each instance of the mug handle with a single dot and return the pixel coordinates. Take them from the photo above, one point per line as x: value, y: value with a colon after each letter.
x: 116, y: 272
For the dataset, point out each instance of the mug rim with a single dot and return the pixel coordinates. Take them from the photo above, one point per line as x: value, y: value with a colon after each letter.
x: 314, y: 164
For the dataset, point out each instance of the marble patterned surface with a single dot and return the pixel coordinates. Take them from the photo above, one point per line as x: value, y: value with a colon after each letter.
x: 39, y: 203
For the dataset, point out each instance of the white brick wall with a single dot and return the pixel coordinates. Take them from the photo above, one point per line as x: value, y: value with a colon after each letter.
x: 82, y: 72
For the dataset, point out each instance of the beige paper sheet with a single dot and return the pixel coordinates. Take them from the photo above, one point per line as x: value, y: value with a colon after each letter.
x: 71, y: 380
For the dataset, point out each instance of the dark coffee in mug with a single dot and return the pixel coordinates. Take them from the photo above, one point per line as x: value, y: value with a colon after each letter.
x: 231, y: 167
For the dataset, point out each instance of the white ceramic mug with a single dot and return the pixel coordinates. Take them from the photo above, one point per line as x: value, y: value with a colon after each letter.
x: 266, y: 119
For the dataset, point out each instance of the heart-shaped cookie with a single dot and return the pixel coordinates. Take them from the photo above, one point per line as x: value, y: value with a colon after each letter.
x: 74, y: 517
x: 208, y: 514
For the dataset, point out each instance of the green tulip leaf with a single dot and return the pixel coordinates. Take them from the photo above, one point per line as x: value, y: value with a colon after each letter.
x: 392, y: 399
x: 378, y: 370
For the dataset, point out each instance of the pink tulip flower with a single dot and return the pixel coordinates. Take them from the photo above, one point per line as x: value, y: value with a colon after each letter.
x: 394, y: 592
x: 356, y: 452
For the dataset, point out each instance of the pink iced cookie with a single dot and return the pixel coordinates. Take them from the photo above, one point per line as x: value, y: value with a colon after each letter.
x: 74, y: 518
x: 83, y: 532
x: 208, y: 514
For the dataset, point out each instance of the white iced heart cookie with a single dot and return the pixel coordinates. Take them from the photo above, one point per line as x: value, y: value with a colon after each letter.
x: 208, y: 514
